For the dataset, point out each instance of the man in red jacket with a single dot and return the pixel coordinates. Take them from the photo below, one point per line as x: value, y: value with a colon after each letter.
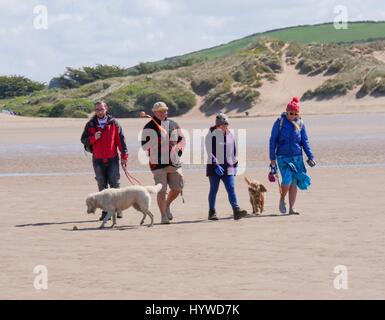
x: 103, y: 136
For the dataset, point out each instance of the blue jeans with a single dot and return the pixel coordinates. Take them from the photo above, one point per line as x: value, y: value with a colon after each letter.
x: 229, y: 182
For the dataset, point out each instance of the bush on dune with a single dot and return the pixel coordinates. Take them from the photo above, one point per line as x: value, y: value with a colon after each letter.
x: 14, y: 86
x: 374, y: 83
x: 74, y: 78
x: 141, y: 95
x: 202, y: 85
x: 338, y: 86
x: 72, y: 108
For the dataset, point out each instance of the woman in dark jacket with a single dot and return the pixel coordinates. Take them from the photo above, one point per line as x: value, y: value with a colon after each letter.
x: 222, y: 165
x: 288, y: 139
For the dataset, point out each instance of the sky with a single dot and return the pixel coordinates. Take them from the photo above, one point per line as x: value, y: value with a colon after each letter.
x: 39, y: 39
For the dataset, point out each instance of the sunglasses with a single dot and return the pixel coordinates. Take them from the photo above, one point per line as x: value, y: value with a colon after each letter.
x: 97, y: 110
x: 293, y: 114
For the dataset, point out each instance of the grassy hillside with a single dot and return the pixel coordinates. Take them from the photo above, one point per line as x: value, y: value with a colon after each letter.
x: 324, y: 33
x: 228, y: 77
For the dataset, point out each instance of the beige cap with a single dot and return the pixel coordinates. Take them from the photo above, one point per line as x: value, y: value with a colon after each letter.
x: 159, y: 106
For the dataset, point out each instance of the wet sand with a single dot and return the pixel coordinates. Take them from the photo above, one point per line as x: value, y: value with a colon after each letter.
x: 45, y: 177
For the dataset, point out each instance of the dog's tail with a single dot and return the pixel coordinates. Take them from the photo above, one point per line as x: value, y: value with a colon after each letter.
x: 154, y: 189
x: 247, y: 180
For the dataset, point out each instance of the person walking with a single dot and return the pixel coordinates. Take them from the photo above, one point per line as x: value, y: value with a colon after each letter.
x: 103, y: 137
x: 288, y: 140
x: 163, y: 140
x: 222, y: 165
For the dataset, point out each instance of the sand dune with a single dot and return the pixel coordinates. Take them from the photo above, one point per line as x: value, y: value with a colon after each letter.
x: 276, y: 94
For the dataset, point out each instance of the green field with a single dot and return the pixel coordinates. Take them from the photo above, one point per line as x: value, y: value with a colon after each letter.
x: 325, y: 33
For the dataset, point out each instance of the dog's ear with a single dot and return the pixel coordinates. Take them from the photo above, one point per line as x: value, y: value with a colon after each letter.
x: 91, y: 204
x: 262, y: 188
x: 247, y: 180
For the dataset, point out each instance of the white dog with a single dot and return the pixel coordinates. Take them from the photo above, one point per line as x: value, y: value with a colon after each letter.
x: 113, y: 200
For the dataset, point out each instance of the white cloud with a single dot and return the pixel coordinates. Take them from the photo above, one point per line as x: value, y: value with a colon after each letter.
x: 65, y: 17
x: 13, y: 7
x: 152, y: 36
x: 157, y: 7
x: 122, y: 32
x: 216, y: 22
x: 137, y: 22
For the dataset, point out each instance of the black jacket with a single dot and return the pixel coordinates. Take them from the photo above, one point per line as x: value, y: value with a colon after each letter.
x: 163, y: 149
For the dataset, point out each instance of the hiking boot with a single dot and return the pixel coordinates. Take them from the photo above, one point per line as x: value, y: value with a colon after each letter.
x: 104, y: 213
x: 119, y: 214
x: 169, y: 214
x: 165, y: 220
x: 293, y: 211
x: 282, y: 206
x: 238, y: 213
x: 213, y: 215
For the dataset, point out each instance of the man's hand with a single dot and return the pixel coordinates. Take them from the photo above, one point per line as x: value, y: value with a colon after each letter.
x: 123, y: 163
x: 98, y: 135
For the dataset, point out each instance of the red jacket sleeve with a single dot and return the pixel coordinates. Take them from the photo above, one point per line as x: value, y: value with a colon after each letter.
x: 121, y: 142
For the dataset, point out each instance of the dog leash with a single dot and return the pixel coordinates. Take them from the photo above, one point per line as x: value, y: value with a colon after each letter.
x: 145, y: 115
x: 279, y: 184
x: 131, y: 178
x: 274, y: 172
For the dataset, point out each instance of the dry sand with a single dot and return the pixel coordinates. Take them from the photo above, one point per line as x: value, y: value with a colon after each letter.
x: 45, y: 177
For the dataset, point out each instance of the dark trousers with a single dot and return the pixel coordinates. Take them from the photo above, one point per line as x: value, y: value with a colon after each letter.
x: 107, y: 173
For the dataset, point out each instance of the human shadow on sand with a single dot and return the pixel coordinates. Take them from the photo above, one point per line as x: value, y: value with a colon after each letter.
x: 42, y: 224
x: 131, y: 227
x: 96, y: 228
x: 269, y: 215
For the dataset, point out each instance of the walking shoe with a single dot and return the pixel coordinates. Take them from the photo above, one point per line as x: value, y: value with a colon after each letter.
x: 238, y: 213
x: 213, y: 215
x: 104, y: 213
x: 119, y: 214
x: 282, y: 206
x: 293, y: 211
x: 165, y: 220
x: 169, y: 214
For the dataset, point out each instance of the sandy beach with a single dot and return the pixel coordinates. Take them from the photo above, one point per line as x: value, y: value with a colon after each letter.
x: 45, y: 177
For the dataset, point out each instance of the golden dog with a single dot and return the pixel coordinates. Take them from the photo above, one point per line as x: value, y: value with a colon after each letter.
x: 257, y: 195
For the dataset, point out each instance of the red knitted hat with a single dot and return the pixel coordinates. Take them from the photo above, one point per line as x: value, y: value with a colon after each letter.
x: 293, y: 105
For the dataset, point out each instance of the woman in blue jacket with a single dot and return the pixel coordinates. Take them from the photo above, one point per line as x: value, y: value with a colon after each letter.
x: 288, y: 139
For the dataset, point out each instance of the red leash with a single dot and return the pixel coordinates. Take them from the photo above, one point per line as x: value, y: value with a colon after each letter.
x: 145, y: 115
x: 131, y: 178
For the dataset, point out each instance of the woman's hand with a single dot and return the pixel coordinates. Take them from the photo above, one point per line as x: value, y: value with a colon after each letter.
x: 311, y: 163
x: 219, y: 170
x: 273, y: 163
